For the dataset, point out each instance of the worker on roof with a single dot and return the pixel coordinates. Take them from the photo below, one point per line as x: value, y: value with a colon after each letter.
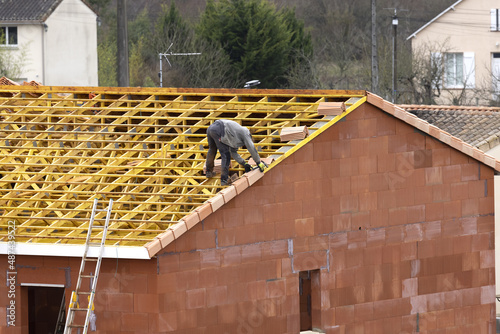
x: 227, y: 136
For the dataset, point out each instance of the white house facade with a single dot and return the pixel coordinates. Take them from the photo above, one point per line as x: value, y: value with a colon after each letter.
x: 56, y: 40
x: 464, y: 40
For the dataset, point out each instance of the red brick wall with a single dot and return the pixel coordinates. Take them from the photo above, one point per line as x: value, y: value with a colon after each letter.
x: 397, y: 227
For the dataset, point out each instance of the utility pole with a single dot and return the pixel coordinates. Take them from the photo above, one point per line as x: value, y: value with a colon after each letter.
x: 122, y: 44
x: 395, y: 56
x: 374, y: 49
x: 160, y: 74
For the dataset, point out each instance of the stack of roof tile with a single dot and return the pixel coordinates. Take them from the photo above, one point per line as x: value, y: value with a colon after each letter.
x: 331, y: 108
x: 4, y: 81
x: 293, y: 133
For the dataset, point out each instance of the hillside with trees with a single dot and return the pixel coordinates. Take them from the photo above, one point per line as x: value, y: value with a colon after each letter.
x: 316, y: 44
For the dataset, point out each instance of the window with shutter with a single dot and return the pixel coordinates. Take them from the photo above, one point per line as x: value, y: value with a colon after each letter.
x: 453, y: 70
x: 459, y: 70
x: 469, y: 70
x: 495, y: 21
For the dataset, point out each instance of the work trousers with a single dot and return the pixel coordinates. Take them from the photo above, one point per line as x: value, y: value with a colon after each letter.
x: 214, y: 134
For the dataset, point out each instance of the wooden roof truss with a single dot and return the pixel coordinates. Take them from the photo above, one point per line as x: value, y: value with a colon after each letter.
x: 61, y: 148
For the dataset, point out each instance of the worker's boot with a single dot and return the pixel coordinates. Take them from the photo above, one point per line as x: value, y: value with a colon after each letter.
x: 225, y: 181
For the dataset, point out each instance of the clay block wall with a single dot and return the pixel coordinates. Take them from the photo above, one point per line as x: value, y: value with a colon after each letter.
x: 126, y: 298
x: 398, y: 226
x: 395, y: 228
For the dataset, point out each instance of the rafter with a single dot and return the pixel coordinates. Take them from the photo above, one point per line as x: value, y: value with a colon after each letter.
x: 62, y: 147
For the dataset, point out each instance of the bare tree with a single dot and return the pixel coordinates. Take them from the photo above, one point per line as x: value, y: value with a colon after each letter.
x: 424, y: 81
x: 306, y: 73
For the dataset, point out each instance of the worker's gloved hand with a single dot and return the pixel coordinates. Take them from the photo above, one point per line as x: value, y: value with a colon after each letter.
x: 262, y: 165
x: 248, y: 168
x: 209, y: 174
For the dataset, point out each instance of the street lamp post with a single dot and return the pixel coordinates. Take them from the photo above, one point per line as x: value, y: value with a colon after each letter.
x: 394, y: 58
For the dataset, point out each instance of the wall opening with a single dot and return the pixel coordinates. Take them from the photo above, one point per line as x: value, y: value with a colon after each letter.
x: 310, y: 301
x: 305, y: 300
x: 45, y: 306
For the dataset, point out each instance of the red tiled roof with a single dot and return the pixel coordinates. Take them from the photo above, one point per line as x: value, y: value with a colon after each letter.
x: 478, y: 126
x: 434, y: 131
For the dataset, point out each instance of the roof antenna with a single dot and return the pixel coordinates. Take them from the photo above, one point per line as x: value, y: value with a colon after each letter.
x: 171, y: 54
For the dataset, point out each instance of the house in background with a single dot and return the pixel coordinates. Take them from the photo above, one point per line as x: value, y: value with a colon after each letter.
x: 377, y: 222
x: 464, y: 43
x: 57, y: 40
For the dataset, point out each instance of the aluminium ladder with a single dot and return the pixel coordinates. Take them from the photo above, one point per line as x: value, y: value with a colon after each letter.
x: 74, y: 306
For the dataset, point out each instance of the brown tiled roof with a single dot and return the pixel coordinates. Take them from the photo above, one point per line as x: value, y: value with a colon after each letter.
x: 478, y: 126
x: 432, y: 130
x: 27, y: 10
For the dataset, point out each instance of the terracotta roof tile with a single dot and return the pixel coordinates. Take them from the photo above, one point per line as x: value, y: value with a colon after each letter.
x: 478, y: 126
x: 166, y: 238
x: 180, y: 228
x: 453, y: 121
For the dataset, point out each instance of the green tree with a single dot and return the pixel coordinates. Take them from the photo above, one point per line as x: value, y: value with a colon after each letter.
x: 106, y: 52
x: 210, y: 69
x: 12, y: 63
x: 262, y: 42
x: 140, y: 54
x: 171, y: 24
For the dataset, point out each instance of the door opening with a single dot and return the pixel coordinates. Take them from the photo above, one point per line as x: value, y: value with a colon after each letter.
x: 45, y: 308
x: 305, y: 300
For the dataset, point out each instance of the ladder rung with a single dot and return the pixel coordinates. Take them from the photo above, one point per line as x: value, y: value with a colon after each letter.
x: 94, y: 244
x: 76, y: 326
x: 87, y: 276
x: 78, y: 309
x: 83, y: 293
x: 91, y: 259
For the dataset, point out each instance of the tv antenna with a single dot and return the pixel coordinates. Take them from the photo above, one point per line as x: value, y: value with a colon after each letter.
x: 166, y: 54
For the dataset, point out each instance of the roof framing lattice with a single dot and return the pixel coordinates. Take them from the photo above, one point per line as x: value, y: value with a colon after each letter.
x: 61, y: 147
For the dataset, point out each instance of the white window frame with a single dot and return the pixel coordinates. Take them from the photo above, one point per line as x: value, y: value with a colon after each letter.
x: 495, y: 19
x: 7, y: 36
x: 462, y: 75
